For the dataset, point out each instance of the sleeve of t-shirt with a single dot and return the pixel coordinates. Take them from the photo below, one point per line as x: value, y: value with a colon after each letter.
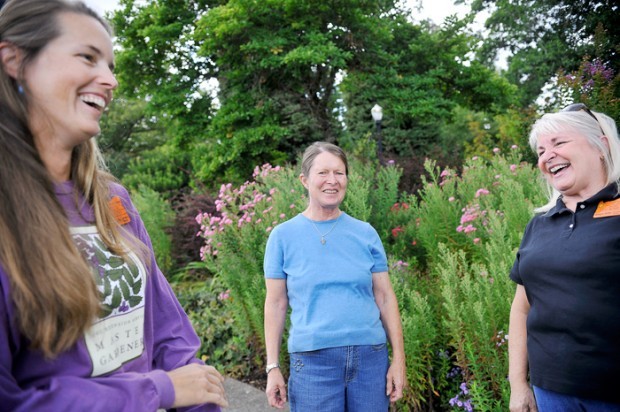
x: 515, y: 275
x: 378, y: 252
x: 273, y: 263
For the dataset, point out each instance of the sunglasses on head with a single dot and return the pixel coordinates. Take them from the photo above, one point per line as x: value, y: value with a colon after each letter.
x: 576, y: 107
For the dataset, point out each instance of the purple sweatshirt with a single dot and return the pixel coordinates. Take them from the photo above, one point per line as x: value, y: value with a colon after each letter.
x: 119, y: 364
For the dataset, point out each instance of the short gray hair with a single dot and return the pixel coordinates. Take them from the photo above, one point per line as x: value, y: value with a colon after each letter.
x: 317, y: 148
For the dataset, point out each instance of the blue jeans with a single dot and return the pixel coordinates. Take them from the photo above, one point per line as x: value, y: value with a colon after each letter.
x: 549, y: 401
x: 342, y: 379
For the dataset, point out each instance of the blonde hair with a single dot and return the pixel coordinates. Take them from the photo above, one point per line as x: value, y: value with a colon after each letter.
x: 592, y: 127
x: 52, y: 286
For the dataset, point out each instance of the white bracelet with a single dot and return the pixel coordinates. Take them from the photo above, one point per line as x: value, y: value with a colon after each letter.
x: 271, y: 366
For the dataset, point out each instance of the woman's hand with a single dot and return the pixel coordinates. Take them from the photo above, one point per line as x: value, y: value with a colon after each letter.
x: 195, y: 384
x: 522, y: 400
x: 396, y: 381
x: 276, y: 389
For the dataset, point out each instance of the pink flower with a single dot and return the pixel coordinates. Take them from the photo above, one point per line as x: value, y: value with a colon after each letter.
x: 451, y: 199
x: 514, y: 147
x: 282, y: 215
x: 469, y: 229
x: 400, y: 263
x: 476, y: 240
x: 292, y: 206
x: 268, y: 229
x: 513, y: 168
x: 496, y: 150
x: 224, y: 295
x: 470, y: 214
x: 481, y: 192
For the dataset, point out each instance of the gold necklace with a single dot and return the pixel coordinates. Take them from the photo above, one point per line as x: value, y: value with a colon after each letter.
x: 323, y: 240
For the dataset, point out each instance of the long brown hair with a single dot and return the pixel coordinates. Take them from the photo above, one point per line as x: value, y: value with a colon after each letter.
x: 52, y: 286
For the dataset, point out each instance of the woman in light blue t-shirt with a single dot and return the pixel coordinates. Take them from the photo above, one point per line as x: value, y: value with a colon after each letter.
x: 331, y: 269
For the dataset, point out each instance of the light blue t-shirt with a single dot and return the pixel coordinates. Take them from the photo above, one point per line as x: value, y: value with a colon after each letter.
x: 329, y: 285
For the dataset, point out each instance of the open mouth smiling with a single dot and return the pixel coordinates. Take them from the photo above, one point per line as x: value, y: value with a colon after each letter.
x: 557, y: 168
x: 94, y: 101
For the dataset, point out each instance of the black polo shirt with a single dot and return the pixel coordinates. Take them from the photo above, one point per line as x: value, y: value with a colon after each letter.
x: 569, y: 264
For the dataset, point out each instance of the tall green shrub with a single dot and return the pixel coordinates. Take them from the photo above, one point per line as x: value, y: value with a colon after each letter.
x: 158, y: 218
x: 236, y: 235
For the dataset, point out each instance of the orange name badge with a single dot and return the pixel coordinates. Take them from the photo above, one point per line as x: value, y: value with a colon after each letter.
x: 118, y: 210
x: 607, y: 209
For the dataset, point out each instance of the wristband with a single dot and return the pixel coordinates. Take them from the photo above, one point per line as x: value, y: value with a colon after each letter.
x: 271, y: 366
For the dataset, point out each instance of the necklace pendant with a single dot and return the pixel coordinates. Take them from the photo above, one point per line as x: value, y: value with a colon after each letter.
x: 322, y: 240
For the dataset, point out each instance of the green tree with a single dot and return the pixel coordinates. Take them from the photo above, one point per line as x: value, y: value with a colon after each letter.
x: 157, y: 62
x: 278, y: 62
x: 157, y: 58
x: 126, y: 132
x: 420, y: 75
x: 544, y: 36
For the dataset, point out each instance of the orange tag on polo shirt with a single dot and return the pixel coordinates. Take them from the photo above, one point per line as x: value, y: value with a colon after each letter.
x: 118, y: 210
x: 607, y: 209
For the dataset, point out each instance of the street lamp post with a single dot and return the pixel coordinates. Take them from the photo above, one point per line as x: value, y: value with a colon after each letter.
x: 377, y: 116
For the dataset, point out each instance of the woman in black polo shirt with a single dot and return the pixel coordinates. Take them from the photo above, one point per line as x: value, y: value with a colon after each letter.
x: 565, y: 317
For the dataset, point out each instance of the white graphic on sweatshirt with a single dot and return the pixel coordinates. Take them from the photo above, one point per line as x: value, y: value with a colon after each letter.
x: 118, y: 336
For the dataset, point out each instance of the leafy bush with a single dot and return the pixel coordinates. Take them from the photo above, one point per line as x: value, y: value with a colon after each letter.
x: 162, y: 169
x: 237, y: 233
x: 208, y: 306
x: 158, y: 217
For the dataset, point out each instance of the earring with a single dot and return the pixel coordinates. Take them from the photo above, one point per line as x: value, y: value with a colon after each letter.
x: 20, y: 89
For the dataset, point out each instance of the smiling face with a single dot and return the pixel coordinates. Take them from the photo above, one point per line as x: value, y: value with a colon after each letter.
x: 326, y: 182
x: 571, y: 165
x: 70, y: 83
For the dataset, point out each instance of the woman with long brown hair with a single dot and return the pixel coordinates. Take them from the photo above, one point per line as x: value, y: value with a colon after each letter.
x: 87, y: 320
